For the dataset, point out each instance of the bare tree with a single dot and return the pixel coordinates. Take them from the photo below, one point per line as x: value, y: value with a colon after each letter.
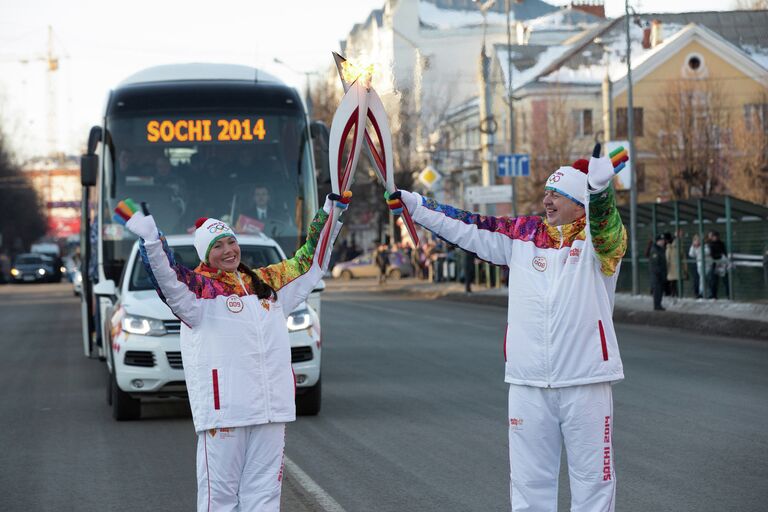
x: 22, y: 220
x: 750, y: 5
x: 749, y: 171
x: 550, y: 130
x: 692, y: 136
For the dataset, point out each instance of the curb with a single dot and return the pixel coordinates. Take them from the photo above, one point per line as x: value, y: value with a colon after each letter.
x: 691, y: 322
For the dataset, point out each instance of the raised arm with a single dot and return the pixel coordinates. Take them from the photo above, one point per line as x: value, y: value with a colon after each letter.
x: 488, y: 237
x: 170, y: 279
x: 295, y: 278
x: 609, y: 236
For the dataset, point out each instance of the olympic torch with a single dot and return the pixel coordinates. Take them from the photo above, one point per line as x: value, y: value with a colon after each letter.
x: 379, y: 153
x: 350, y: 118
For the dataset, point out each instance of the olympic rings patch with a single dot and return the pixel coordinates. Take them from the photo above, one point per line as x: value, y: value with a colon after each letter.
x: 555, y: 177
x: 218, y: 227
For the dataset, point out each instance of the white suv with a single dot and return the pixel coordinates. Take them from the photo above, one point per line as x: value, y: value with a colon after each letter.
x: 144, y: 357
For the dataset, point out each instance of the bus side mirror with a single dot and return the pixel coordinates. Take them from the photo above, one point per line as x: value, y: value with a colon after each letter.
x: 320, y: 140
x: 89, y: 168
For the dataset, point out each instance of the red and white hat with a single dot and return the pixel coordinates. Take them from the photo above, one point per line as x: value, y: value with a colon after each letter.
x: 208, y: 231
x: 570, y: 181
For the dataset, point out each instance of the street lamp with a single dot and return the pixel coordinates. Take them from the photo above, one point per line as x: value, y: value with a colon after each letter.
x: 633, y: 177
x: 307, y: 74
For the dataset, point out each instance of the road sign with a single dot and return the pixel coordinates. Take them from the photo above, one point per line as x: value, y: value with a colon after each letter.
x: 491, y: 194
x: 428, y: 177
x: 517, y: 164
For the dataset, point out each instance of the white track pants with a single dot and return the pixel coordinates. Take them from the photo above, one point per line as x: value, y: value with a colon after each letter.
x: 539, y: 420
x: 240, y: 469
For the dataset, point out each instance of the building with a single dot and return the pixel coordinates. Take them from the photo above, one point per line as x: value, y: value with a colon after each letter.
x: 573, y: 92
x: 57, y: 182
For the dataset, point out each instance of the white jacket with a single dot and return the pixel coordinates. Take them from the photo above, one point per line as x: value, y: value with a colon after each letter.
x: 562, y: 282
x: 235, y: 348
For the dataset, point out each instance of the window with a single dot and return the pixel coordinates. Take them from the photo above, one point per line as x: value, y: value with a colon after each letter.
x: 621, y: 122
x: 756, y: 116
x: 582, y: 122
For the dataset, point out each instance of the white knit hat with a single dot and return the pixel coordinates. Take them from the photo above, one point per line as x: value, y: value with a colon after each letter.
x: 570, y: 182
x: 208, y: 231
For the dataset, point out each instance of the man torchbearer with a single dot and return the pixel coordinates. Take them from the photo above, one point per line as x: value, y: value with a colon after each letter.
x: 560, y: 346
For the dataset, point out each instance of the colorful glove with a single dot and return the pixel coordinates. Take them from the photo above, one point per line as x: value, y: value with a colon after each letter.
x: 339, y: 201
x: 602, y: 170
x: 128, y: 214
x: 400, y: 199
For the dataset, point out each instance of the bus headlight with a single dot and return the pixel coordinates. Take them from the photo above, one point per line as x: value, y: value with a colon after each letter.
x: 299, y: 320
x: 142, y: 325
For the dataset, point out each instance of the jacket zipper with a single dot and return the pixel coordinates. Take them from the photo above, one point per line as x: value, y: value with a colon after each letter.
x: 262, y: 364
x: 549, y: 316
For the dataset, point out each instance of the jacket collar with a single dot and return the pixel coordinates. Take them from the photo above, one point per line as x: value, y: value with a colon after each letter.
x: 567, y: 232
x: 228, y: 278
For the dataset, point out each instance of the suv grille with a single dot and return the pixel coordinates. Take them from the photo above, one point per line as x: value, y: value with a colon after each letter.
x: 172, y: 326
x: 299, y: 354
x: 139, y: 358
x: 174, y: 360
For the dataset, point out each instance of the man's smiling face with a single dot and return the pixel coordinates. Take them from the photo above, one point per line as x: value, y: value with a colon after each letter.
x: 560, y: 210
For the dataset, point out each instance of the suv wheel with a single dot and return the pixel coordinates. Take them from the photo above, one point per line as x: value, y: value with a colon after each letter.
x: 124, y: 407
x: 308, y: 403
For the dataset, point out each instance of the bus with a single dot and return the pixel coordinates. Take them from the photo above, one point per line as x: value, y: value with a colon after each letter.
x: 192, y: 140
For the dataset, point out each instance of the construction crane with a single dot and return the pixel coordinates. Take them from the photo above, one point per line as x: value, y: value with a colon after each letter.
x: 52, y: 66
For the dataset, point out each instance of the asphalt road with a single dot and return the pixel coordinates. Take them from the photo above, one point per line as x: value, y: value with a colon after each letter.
x: 413, y: 416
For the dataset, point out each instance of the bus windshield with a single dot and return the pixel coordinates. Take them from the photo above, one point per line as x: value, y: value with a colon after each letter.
x: 250, y: 169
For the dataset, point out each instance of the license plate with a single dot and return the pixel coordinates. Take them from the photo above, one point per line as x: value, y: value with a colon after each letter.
x: 29, y: 278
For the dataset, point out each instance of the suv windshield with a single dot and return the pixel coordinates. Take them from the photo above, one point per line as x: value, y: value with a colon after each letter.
x: 29, y: 260
x: 253, y: 256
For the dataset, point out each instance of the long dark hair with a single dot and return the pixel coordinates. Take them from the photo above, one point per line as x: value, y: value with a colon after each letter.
x: 260, y: 288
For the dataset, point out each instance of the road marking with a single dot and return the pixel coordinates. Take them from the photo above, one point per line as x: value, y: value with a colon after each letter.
x: 322, y: 498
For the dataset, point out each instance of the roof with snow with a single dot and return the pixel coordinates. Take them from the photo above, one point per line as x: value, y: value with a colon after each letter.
x: 452, y: 14
x: 585, y: 62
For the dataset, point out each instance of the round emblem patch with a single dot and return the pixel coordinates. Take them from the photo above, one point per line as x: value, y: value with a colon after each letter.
x: 235, y: 304
x: 540, y: 263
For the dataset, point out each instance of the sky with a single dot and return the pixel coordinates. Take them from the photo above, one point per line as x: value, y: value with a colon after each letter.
x: 101, y: 42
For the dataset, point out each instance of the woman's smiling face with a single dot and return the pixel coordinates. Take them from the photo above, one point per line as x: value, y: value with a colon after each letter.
x: 225, y: 254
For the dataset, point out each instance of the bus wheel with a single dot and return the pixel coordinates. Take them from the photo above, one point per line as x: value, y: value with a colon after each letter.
x: 124, y: 407
x: 308, y: 403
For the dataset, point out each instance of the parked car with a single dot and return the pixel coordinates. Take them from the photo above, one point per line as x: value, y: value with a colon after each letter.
x: 365, y: 266
x: 144, y: 356
x: 34, y: 268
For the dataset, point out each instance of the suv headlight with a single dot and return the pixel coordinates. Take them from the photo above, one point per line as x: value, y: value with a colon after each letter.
x: 299, y: 320
x: 14, y: 272
x: 142, y: 325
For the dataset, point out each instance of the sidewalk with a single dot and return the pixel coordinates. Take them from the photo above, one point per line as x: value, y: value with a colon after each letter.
x: 721, y: 317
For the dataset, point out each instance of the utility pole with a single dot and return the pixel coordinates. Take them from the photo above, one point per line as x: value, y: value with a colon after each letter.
x: 632, y: 160
x: 487, y: 122
x: 509, y: 103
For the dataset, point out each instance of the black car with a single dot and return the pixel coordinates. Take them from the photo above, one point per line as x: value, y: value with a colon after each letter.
x: 33, y: 268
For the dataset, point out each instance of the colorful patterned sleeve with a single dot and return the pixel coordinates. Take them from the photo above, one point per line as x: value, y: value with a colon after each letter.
x: 609, y: 236
x: 490, y: 238
x: 280, y: 274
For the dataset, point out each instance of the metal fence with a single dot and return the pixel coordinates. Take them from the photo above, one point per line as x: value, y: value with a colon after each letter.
x: 743, y: 227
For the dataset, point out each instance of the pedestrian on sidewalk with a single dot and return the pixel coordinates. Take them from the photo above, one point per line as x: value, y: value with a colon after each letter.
x: 236, y: 352
x: 677, y: 266
x: 469, y: 271
x: 657, y: 264
x: 560, y: 347
x: 381, y: 258
x: 718, y: 268
x: 695, y: 253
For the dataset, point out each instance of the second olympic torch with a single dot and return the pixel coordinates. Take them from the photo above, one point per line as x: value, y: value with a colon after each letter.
x: 359, y: 105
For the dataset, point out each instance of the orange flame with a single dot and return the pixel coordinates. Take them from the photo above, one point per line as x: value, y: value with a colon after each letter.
x: 352, y: 71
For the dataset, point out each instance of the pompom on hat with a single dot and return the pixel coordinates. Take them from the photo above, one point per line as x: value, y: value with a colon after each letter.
x: 208, y: 231
x: 570, y: 181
